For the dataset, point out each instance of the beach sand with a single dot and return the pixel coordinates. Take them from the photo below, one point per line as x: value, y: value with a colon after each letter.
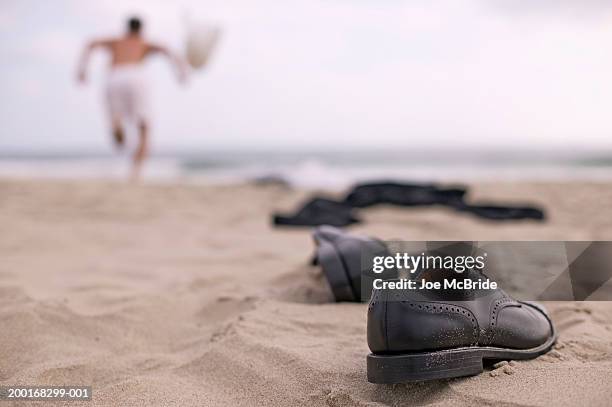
x: 185, y: 295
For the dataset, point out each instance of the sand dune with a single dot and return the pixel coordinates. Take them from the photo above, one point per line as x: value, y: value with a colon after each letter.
x: 184, y: 295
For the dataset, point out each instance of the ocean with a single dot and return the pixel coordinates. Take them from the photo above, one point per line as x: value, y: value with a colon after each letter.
x: 318, y: 169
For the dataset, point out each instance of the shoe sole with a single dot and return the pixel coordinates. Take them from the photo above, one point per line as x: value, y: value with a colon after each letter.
x: 446, y: 364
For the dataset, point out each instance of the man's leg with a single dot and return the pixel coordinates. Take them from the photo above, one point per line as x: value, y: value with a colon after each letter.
x: 118, y: 133
x: 141, y: 151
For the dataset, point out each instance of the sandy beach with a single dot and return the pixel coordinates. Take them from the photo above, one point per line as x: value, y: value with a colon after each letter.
x: 185, y: 295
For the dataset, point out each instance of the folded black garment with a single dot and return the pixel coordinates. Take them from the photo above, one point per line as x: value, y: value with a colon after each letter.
x: 402, y: 194
x: 323, y: 211
x: 319, y: 211
x: 496, y: 212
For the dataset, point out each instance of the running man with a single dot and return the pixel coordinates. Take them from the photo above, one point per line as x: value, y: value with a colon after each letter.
x: 127, y: 91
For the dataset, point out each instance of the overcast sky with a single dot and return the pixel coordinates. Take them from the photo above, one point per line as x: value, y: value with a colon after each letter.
x: 321, y: 74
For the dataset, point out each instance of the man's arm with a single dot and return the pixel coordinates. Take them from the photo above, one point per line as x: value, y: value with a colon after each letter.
x: 179, y: 64
x: 84, y: 60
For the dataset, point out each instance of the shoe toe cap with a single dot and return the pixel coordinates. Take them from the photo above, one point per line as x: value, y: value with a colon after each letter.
x: 522, y: 327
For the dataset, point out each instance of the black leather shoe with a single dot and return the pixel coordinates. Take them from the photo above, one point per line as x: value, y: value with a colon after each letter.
x: 426, y: 338
x: 340, y: 256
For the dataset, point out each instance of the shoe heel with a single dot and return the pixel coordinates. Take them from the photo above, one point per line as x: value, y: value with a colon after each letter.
x: 411, y: 367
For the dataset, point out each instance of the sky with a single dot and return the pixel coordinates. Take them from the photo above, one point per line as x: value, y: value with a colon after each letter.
x: 322, y: 74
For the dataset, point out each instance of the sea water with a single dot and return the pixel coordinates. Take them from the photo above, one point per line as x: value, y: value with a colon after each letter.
x: 317, y: 169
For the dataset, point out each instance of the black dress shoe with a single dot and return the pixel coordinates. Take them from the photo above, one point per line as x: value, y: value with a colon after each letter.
x: 341, y: 255
x: 421, y: 336
x: 430, y: 334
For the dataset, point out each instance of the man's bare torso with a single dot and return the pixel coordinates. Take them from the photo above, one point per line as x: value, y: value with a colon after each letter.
x: 128, y: 50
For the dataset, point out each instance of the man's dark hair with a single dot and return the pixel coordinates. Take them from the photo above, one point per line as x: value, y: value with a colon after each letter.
x: 134, y: 25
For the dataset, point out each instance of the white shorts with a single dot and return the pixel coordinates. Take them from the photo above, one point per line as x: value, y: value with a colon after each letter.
x: 127, y: 94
